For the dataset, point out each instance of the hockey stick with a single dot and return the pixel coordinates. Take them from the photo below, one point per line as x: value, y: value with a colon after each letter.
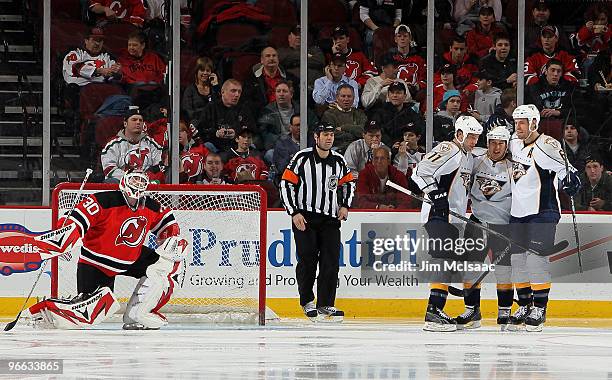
x: 560, y: 246
x: 12, y: 324
x: 465, y: 219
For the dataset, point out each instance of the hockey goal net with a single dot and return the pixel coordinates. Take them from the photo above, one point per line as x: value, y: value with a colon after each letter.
x: 224, y: 272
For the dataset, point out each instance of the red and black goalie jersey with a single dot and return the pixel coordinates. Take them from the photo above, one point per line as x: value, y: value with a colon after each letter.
x: 113, y: 233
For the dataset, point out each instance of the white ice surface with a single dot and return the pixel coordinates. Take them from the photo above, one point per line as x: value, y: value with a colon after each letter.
x: 299, y: 350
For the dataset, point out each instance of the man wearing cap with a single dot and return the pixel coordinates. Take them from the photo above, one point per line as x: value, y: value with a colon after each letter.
x: 540, y: 17
x: 289, y: 57
x: 499, y: 63
x: 375, y: 90
x: 360, y: 152
x: 325, y: 88
x: 444, y: 120
x: 480, y: 39
x: 412, y: 68
x: 375, y: 14
x: 358, y: 66
x: 448, y: 73
x: 91, y: 64
x: 395, y: 113
x: 131, y: 150
x: 348, y: 120
x: 242, y: 158
x: 596, y: 194
x: 409, y: 152
x: 535, y: 64
x: 131, y: 11
x: 317, y: 190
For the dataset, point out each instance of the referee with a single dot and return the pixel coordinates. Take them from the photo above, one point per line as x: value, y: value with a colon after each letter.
x: 317, y: 189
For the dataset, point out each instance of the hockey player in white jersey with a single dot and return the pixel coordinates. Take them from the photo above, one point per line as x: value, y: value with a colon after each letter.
x: 444, y: 176
x: 538, y: 164
x: 491, y: 200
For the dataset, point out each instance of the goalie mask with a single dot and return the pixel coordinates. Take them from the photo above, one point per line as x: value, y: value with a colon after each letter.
x: 134, y: 185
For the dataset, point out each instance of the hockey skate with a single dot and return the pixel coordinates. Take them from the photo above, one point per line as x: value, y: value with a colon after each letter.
x: 535, y: 320
x: 438, y: 321
x: 503, y: 317
x: 517, y: 320
x: 329, y: 314
x: 470, y: 319
x: 310, y: 310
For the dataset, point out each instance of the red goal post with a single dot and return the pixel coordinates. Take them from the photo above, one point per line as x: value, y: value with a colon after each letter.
x: 225, y: 270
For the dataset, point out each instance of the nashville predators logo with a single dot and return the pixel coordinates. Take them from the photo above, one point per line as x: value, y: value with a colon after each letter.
x: 332, y: 183
x: 551, y: 141
x: 132, y: 232
x: 518, y: 170
x: 489, y: 187
x: 466, y: 181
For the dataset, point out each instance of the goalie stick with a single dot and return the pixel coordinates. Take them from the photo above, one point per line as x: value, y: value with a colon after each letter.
x: 9, y: 326
x: 467, y: 220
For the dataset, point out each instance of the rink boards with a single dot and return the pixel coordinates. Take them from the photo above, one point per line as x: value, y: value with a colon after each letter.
x: 370, y: 294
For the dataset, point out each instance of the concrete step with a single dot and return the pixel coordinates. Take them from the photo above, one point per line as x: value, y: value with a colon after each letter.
x: 32, y: 141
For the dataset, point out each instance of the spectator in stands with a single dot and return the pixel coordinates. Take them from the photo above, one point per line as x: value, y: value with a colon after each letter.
x: 360, y: 152
x: 358, y: 66
x: 535, y: 63
x: 540, y: 15
x: 600, y: 91
x: 375, y: 90
x: 222, y: 118
x: 213, y: 171
x: 260, y: 87
x: 242, y: 158
x: 375, y: 14
x: 600, y: 73
x: 409, y: 152
x: 326, y: 87
x: 447, y: 73
x: 486, y: 98
x: 444, y: 120
x: 595, y: 35
x: 348, y: 120
x: 480, y: 39
x: 498, y: 62
x: 202, y: 91
x: 143, y: 71
x: 466, y: 12
x: 577, y: 142
x: 502, y: 116
x: 131, y: 11
x: 131, y: 150
x: 289, y: 58
x: 372, y: 190
x: 394, y: 114
x: 275, y: 119
x: 193, y: 155
x: 463, y: 62
x: 91, y: 64
x: 287, y: 145
x: 412, y: 67
x: 596, y: 191
x: 551, y: 94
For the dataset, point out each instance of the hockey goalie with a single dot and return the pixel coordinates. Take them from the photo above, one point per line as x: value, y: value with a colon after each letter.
x: 113, y: 226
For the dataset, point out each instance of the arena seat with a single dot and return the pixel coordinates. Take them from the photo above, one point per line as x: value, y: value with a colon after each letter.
x: 234, y: 35
x: 277, y: 37
x: 383, y: 40
x: 116, y: 36
x: 242, y: 65
x: 327, y: 12
x: 283, y: 12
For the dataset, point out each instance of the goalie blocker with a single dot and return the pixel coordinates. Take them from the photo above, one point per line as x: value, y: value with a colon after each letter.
x: 113, y: 226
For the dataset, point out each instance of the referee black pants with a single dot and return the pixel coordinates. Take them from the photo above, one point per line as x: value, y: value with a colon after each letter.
x: 318, y: 244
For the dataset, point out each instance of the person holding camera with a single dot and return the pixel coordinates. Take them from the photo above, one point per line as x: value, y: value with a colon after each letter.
x: 595, y: 35
x: 223, y: 118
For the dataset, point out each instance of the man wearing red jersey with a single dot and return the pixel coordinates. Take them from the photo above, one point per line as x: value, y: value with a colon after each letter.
x: 358, y: 66
x: 114, y: 226
x: 535, y: 65
x: 243, y: 159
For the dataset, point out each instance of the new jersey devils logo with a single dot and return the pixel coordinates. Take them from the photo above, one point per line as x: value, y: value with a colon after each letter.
x: 352, y: 69
x: 132, y: 232
x: 135, y: 159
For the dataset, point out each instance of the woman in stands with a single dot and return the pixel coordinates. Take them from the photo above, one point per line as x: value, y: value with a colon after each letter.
x: 202, y: 91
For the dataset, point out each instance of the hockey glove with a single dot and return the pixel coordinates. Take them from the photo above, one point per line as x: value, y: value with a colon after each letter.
x: 439, y: 199
x: 571, y: 184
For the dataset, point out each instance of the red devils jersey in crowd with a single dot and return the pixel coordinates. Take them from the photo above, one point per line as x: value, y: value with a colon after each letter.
x: 158, y: 131
x: 358, y: 67
x: 239, y: 162
x: 147, y: 69
x: 412, y: 68
x: 535, y: 66
x: 193, y: 160
x: 465, y: 78
x: 131, y: 11
x: 113, y: 234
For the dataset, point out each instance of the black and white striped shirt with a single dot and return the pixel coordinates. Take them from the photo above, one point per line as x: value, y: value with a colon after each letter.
x: 315, y: 184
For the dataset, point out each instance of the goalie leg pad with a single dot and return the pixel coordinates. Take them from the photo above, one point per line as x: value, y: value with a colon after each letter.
x: 151, y: 294
x: 173, y: 249
x: 84, y: 310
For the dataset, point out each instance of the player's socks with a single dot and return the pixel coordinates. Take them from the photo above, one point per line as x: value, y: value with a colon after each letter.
x: 505, y: 293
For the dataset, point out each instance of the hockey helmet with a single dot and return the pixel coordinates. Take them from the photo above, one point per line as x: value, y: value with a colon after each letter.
x: 134, y: 184
x: 498, y: 133
x: 467, y: 124
x: 529, y: 112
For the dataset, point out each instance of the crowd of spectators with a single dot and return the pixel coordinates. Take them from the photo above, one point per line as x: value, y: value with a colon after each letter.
x: 245, y: 128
